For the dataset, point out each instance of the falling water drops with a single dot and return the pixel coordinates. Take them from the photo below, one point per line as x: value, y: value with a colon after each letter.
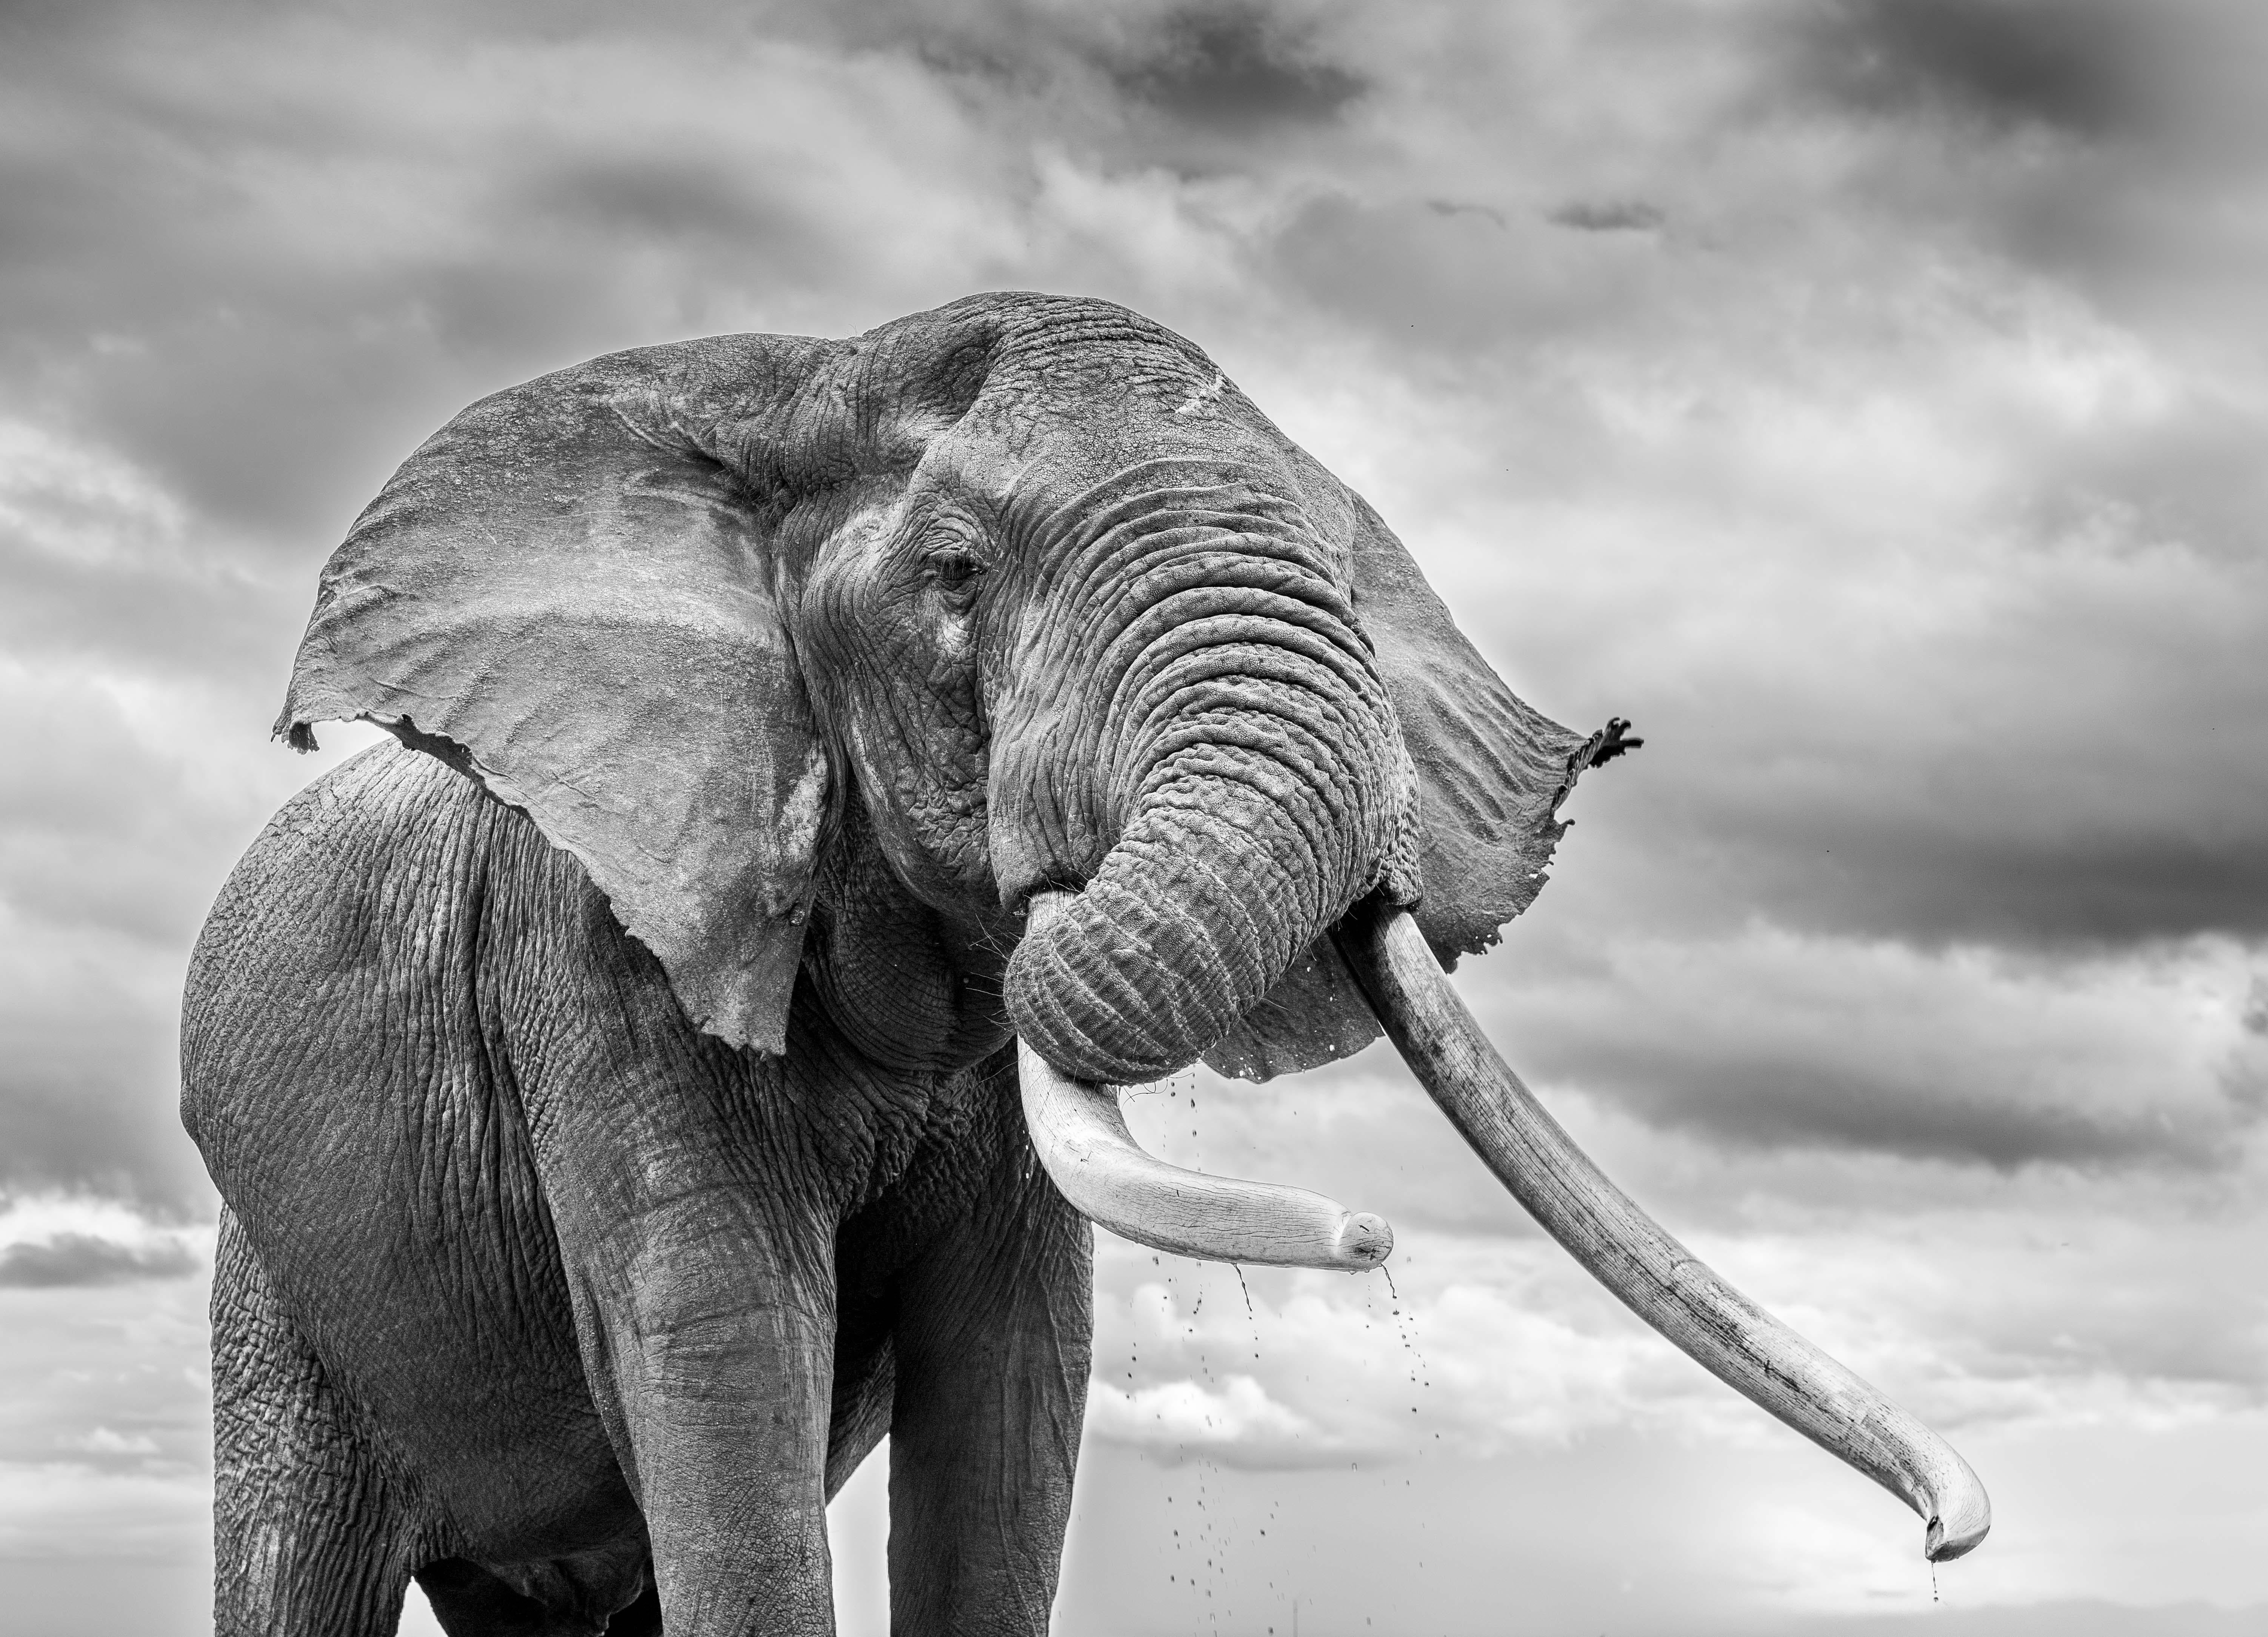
x: 1405, y: 1329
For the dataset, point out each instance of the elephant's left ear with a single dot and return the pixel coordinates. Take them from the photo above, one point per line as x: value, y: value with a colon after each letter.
x: 567, y: 595
x: 1492, y: 769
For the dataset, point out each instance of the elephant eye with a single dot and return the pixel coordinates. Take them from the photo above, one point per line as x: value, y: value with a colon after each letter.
x: 957, y: 569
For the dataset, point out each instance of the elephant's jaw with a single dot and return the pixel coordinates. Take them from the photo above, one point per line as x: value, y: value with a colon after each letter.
x: 1084, y: 1144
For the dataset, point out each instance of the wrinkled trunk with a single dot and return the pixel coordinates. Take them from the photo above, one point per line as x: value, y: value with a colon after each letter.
x: 1255, y: 776
x: 1194, y: 915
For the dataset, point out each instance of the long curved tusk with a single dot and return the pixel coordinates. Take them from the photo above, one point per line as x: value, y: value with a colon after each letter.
x: 1657, y: 1278
x: 1081, y: 1138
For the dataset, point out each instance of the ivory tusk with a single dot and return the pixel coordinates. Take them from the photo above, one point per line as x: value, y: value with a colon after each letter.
x: 1081, y: 1138
x: 1656, y: 1277
x: 1082, y: 1141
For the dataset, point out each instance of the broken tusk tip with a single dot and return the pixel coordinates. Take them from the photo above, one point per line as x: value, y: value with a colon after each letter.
x: 1363, y: 1240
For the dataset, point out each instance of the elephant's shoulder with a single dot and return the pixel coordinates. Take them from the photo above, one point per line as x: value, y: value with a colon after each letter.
x: 355, y: 853
x: 400, y: 858
x: 388, y: 800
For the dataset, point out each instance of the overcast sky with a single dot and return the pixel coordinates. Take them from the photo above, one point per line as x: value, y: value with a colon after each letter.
x: 1868, y: 399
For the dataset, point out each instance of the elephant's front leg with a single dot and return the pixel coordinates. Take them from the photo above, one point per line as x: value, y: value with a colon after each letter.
x: 704, y: 1293
x: 725, y: 1382
x: 992, y: 1346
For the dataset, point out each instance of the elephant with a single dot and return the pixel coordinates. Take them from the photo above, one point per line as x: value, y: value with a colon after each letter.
x: 682, y: 1053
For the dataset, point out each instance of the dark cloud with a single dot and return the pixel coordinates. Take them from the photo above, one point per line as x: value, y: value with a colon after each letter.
x: 1608, y: 216
x: 2113, y: 149
x: 74, y: 1258
x: 1458, y: 207
x: 1764, y: 1041
x: 659, y: 198
x: 115, y: 1135
x: 1809, y: 1100
x: 264, y: 285
x: 2088, y: 67
x: 2077, y: 774
x: 2088, y: 892
x: 1235, y: 66
x: 2050, y: 863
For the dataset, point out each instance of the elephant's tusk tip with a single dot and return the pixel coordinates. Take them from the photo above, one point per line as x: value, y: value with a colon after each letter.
x: 1364, y: 1241
x: 1650, y: 1271
x: 1961, y: 1520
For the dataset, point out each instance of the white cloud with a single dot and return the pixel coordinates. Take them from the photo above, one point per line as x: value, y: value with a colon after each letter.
x: 81, y: 506
x: 31, y: 1219
x: 102, y: 1440
x: 1181, y: 1416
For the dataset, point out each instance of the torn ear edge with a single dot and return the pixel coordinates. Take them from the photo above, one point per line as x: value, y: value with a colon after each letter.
x: 300, y: 736
x: 738, y: 986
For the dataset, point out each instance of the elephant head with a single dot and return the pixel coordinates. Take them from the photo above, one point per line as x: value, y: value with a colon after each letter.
x: 1005, y: 670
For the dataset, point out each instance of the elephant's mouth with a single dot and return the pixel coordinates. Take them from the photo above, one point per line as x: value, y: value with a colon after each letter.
x: 1084, y: 1144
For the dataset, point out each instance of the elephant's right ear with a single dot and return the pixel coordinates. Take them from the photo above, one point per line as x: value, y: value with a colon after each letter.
x: 565, y: 593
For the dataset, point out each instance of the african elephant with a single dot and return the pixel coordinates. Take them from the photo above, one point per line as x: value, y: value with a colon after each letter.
x: 825, y: 768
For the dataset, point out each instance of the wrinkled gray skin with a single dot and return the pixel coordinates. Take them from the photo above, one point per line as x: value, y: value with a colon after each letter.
x: 612, y: 1090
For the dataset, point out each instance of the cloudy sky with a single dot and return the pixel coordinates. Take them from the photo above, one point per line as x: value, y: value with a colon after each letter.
x: 1867, y: 397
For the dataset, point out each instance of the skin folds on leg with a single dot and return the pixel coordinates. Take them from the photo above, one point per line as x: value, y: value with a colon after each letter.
x: 992, y: 1343
x: 305, y: 1530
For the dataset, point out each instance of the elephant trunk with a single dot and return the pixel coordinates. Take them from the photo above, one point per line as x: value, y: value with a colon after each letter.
x: 1190, y: 920
x: 1263, y: 789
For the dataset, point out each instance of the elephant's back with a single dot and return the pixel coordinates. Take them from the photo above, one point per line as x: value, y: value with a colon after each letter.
x: 344, y: 1075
